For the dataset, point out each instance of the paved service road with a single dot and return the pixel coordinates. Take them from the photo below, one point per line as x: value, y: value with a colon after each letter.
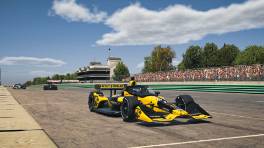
x: 238, y: 121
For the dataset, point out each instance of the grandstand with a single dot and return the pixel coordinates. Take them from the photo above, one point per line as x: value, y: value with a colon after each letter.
x: 227, y: 73
x: 96, y: 71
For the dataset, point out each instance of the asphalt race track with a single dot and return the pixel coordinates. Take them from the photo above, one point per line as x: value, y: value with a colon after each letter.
x: 238, y: 121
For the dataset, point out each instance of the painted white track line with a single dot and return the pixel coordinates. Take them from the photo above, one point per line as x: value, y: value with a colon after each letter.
x: 260, y: 101
x: 237, y: 116
x: 40, y: 104
x: 199, y: 141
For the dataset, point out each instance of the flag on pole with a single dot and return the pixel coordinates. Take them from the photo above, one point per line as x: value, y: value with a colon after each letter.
x: 109, y: 50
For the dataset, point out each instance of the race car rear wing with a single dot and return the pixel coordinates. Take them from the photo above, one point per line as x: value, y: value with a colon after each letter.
x: 113, y: 86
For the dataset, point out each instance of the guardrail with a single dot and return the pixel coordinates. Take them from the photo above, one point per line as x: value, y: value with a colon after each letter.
x: 247, y: 89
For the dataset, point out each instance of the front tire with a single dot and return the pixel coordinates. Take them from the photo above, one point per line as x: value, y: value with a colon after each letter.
x: 128, y: 109
x: 91, y: 101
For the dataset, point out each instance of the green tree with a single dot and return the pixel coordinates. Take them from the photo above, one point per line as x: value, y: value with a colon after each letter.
x: 181, y: 66
x: 55, y: 77
x: 227, y: 55
x: 210, y: 55
x: 251, y: 55
x: 67, y: 76
x: 120, y: 72
x: 43, y: 80
x: 36, y: 80
x: 28, y: 83
x: 39, y: 80
x: 147, y: 65
x: 193, y: 57
x: 159, y: 60
x: 73, y: 76
x: 62, y: 77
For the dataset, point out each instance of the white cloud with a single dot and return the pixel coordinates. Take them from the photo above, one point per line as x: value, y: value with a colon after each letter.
x: 176, y: 62
x: 71, y: 11
x: 140, y: 65
x: 31, y: 61
x: 177, y: 24
x: 41, y: 73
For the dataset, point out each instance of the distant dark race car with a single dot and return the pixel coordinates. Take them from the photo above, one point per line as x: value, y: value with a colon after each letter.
x: 19, y: 86
x: 50, y: 86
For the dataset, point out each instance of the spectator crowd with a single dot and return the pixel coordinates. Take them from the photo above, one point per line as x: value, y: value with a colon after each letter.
x: 230, y: 73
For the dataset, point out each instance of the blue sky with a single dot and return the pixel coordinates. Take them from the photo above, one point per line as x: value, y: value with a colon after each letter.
x: 39, y: 38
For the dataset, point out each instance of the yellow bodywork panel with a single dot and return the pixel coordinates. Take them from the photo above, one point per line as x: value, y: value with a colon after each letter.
x: 175, y: 114
x: 120, y: 99
x: 169, y: 117
x: 99, y: 98
x: 201, y: 117
x: 179, y: 112
x: 162, y: 120
x: 156, y: 109
x: 141, y: 115
x: 127, y: 94
x: 149, y: 100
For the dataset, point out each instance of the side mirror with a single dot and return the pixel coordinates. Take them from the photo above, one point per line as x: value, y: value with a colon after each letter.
x: 157, y: 93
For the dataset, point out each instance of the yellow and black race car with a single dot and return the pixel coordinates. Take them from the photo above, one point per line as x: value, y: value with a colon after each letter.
x: 139, y: 103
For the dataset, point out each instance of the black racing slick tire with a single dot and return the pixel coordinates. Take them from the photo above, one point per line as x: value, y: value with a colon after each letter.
x: 91, y: 101
x: 128, y: 109
x: 187, y: 103
x: 182, y: 101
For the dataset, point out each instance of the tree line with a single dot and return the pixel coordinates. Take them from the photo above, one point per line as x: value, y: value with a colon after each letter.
x: 228, y: 55
x: 159, y: 60
x: 120, y: 72
x: 203, y: 57
x: 43, y: 80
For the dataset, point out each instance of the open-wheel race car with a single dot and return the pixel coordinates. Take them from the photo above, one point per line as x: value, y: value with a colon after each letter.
x: 50, y: 86
x: 138, y: 103
x: 19, y: 86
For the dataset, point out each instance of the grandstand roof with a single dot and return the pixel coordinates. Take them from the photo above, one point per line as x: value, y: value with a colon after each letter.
x: 113, y: 58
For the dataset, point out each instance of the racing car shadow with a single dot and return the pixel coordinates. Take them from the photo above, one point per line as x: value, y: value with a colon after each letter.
x: 110, y: 115
x: 176, y: 122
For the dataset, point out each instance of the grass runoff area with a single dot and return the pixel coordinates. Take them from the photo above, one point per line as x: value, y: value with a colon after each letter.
x: 248, y: 89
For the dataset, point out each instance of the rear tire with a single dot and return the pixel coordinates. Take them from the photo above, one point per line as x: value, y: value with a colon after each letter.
x: 128, y: 109
x: 183, y: 101
x: 187, y: 103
